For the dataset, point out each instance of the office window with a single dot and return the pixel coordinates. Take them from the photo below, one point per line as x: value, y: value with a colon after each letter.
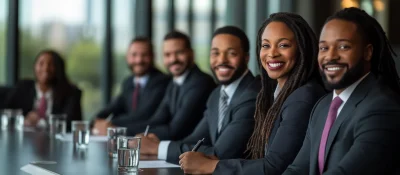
x: 202, y: 34
x: 75, y: 29
x: 182, y: 14
x: 3, y: 38
x: 221, y: 11
x: 159, y: 30
x: 123, y: 33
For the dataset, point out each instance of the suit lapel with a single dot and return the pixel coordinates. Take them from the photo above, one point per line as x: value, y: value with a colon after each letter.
x: 187, y: 85
x: 356, y: 97
x: 236, y: 98
x: 213, y: 115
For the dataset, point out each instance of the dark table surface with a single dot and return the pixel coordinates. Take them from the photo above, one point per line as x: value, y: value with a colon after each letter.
x: 18, y: 148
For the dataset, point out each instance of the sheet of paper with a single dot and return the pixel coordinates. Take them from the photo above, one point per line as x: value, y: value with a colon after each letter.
x: 68, y: 138
x: 35, y: 170
x: 156, y: 164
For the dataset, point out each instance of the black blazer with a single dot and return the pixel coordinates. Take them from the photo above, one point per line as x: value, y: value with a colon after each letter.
x: 176, y: 118
x: 286, y: 138
x: 364, y: 139
x: 149, y: 99
x: 22, y: 96
x: 237, y: 126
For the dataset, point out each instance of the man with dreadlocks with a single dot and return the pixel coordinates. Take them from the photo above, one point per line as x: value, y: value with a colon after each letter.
x: 355, y: 129
x: 228, y: 119
x: 287, y: 51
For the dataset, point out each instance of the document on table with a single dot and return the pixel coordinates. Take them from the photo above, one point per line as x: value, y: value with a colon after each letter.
x: 156, y: 164
x: 68, y: 138
x: 35, y: 170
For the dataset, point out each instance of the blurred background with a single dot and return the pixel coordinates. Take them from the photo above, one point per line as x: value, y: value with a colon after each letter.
x: 93, y: 35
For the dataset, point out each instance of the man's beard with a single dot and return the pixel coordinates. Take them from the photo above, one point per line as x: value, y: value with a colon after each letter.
x: 238, y: 72
x: 144, y: 72
x: 349, y: 77
x: 177, y: 62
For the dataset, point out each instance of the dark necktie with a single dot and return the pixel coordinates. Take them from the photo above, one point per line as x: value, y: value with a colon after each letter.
x: 175, y: 95
x: 222, y: 108
x: 333, y: 109
x: 135, y: 96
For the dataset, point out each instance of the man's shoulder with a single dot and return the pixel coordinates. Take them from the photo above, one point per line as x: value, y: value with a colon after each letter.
x: 381, y: 97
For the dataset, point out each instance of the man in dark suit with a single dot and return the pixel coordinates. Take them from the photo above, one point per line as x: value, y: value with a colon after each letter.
x: 185, y: 100
x: 141, y: 92
x: 354, y: 129
x: 228, y: 121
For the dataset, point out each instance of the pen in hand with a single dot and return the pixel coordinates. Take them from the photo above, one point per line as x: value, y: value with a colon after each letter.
x: 198, y: 144
x: 147, y: 130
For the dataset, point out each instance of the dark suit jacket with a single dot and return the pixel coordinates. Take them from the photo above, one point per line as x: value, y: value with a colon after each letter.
x: 22, y: 96
x: 237, y: 126
x: 364, y: 139
x: 176, y: 117
x: 149, y: 99
x: 286, y: 137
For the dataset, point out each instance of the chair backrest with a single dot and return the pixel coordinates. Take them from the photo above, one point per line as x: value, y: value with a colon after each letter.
x: 4, y: 91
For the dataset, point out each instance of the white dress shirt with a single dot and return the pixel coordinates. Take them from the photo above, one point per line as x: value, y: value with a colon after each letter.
x: 181, y: 79
x: 345, y: 95
x: 141, y: 80
x: 229, y: 90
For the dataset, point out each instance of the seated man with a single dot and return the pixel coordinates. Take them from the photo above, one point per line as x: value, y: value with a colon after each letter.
x: 141, y: 92
x: 185, y: 100
x: 354, y: 129
x: 229, y: 119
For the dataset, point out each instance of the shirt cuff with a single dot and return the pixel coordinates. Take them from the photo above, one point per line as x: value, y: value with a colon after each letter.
x: 163, y: 150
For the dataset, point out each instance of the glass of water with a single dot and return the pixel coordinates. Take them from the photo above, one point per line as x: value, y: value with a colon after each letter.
x: 5, y: 118
x: 128, y: 154
x: 12, y: 117
x: 80, y: 133
x: 57, y: 124
x: 113, y: 134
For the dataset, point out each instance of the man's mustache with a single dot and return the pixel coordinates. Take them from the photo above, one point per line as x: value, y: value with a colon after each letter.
x: 175, y: 63
x: 224, y: 66
x: 333, y: 62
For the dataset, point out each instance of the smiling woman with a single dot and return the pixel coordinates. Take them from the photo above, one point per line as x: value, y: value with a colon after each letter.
x: 73, y: 28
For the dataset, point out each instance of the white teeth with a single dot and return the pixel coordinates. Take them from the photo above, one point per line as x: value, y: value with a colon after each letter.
x: 223, y: 69
x: 333, y: 68
x: 275, y: 64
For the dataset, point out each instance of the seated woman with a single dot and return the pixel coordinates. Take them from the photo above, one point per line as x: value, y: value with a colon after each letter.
x: 287, y: 51
x: 49, y: 93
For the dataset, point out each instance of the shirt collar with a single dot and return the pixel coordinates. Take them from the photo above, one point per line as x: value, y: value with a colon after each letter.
x: 231, y: 88
x: 40, y: 94
x: 345, y: 95
x: 141, y: 80
x: 276, y: 92
x: 181, y: 79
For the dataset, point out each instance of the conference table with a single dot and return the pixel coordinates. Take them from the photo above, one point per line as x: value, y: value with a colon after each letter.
x: 21, y: 148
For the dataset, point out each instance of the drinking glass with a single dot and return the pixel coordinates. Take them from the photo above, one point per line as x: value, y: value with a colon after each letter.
x: 12, y: 117
x: 128, y: 153
x: 113, y: 134
x: 57, y: 124
x: 80, y: 133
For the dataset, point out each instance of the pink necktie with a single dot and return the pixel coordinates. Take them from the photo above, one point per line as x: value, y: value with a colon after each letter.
x: 42, y: 107
x: 328, y: 125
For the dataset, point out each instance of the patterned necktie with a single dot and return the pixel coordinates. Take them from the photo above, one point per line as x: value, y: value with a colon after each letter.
x: 135, y: 96
x: 42, y: 107
x: 333, y: 109
x: 222, y: 108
